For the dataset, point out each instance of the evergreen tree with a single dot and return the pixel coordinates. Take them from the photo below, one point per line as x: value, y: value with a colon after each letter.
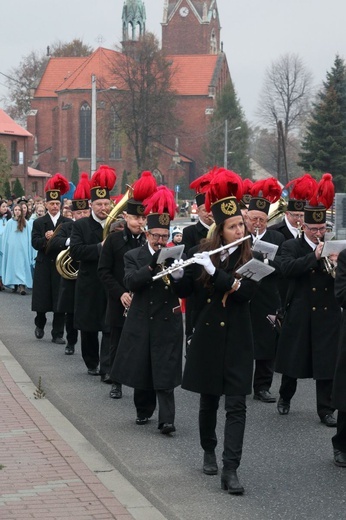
x: 5, y: 170
x: 228, y: 108
x: 18, y: 189
x: 324, y: 145
x: 7, y: 190
x: 75, y: 172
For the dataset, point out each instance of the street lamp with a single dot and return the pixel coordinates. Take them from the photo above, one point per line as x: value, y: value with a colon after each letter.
x: 226, y: 141
x: 93, y: 120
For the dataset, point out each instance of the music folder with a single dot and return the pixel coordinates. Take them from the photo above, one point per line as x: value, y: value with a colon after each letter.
x: 255, y: 270
x: 174, y: 252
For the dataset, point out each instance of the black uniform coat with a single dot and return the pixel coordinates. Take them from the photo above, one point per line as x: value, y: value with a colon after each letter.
x: 339, y: 388
x: 282, y: 228
x: 90, y: 295
x: 266, y: 301
x: 67, y: 287
x: 111, y: 271
x: 46, y: 277
x: 220, y: 357
x: 307, y: 346
x: 149, y: 353
x: 192, y: 235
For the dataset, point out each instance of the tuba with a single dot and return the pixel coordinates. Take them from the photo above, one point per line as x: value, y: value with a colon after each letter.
x: 64, y: 265
x: 116, y: 210
x: 276, y: 210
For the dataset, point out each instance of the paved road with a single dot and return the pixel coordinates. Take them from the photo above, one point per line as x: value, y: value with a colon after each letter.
x: 287, y: 468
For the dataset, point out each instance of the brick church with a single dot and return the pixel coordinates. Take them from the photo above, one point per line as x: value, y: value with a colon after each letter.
x: 75, y: 95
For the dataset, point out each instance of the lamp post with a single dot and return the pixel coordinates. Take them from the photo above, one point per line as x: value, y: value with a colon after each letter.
x: 93, y: 120
x: 225, y: 157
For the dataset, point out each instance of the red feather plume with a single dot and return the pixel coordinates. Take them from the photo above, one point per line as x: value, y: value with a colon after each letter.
x: 82, y: 190
x: 224, y: 184
x: 161, y: 201
x: 247, y: 186
x: 303, y: 188
x: 268, y: 189
x: 58, y: 182
x: 104, y: 177
x: 201, y: 184
x: 145, y: 186
x: 325, y: 192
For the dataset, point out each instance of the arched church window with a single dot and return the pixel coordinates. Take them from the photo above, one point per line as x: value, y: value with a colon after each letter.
x: 85, y: 131
x: 213, y: 43
x: 115, y: 132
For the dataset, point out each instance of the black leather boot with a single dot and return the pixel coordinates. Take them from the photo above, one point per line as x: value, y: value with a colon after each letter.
x: 230, y: 482
x: 209, y: 463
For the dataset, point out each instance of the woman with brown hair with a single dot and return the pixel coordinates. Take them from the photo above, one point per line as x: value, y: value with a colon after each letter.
x: 18, y: 254
x: 220, y: 357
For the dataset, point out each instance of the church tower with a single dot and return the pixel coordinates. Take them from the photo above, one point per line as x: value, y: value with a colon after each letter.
x: 191, y: 27
x: 133, y: 19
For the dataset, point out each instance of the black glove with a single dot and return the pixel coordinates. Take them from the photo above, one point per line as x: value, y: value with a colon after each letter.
x: 153, y: 262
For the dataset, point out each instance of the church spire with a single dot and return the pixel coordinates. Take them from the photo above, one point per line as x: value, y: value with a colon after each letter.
x: 133, y: 18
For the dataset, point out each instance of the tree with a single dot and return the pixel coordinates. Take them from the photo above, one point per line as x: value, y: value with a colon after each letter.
x: 23, y: 79
x: 228, y: 109
x: 284, y: 103
x: 5, y: 170
x: 18, y: 189
x: 324, y: 144
x: 75, y: 172
x: 145, y: 106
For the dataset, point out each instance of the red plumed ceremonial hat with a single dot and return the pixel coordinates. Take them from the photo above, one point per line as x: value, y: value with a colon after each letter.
x: 56, y: 186
x: 102, y: 182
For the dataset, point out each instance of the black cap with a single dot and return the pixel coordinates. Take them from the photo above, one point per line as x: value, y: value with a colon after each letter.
x: 259, y: 204
x: 135, y: 207
x: 295, y: 205
x: 224, y: 209
x: 157, y: 220
x: 315, y: 215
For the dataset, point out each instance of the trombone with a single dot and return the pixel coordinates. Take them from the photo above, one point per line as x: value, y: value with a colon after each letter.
x: 192, y: 260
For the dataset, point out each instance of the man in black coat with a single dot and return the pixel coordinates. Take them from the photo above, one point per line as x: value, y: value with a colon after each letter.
x: 266, y: 301
x: 46, y: 277
x: 61, y: 241
x: 90, y: 296
x: 339, y: 387
x: 149, y: 354
x: 111, y: 273
x: 307, y: 345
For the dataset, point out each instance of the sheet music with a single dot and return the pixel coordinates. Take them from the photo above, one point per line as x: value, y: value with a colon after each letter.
x: 174, y: 252
x: 333, y: 246
x: 268, y: 250
x: 255, y: 269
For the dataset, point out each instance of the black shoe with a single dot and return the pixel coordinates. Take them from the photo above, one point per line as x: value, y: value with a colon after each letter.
x: 93, y: 372
x: 230, y: 482
x: 209, y: 463
x: 39, y: 333
x: 167, y: 428
x: 105, y: 378
x: 142, y: 420
x: 340, y: 458
x: 69, y: 350
x: 283, y: 406
x: 116, y: 391
x: 59, y: 341
x: 264, y: 396
x: 15, y: 289
x: 329, y: 420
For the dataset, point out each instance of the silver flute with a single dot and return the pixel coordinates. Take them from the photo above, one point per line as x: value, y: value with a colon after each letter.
x: 192, y: 260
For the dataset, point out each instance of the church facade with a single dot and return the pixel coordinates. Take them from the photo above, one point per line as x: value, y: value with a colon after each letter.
x: 74, y: 97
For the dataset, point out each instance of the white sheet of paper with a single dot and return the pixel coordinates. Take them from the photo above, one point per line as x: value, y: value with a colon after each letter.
x: 174, y: 252
x: 255, y: 269
x: 268, y: 250
x: 333, y: 246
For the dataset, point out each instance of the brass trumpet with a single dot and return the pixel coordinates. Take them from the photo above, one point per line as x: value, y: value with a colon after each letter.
x: 192, y: 260
x: 329, y: 266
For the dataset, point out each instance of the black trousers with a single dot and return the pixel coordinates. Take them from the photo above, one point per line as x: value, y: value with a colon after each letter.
x: 113, y: 347
x: 71, y: 332
x: 93, y: 355
x: 339, y: 439
x: 263, y: 376
x: 324, y: 387
x: 235, y: 407
x: 57, y: 326
x: 145, y: 403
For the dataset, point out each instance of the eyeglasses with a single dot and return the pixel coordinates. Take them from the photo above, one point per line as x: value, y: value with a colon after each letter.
x: 156, y: 236
x: 257, y: 219
x: 297, y: 216
x: 315, y: 230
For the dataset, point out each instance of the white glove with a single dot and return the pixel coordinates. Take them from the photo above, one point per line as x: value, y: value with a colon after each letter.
x: 204, y: 259
x: 179, y: 273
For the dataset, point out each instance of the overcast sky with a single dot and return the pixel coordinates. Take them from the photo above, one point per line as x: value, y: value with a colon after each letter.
x: 254, y: 32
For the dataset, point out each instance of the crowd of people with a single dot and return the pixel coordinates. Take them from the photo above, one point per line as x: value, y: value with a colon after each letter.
x: 257, y: 298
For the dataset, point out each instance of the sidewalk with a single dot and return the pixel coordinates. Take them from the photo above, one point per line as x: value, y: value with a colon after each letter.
x: 48, y: 469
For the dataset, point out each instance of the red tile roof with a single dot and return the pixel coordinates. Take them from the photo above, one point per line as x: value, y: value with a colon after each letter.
x: 37, y: 173
x: 193, y: 74
x: 10, y: 127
